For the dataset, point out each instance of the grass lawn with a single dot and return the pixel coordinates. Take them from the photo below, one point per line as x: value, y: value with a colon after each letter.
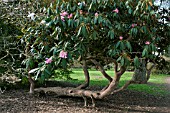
x: 155, y: 86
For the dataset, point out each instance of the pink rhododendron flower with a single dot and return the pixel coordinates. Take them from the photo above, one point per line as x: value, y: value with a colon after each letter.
x: 96, y: 14
x: 63, y: 54
x: 48, y: 60
x: 121, y: 38
x: 147, y: 42
x: 64, y: 13
x: 70, y: 16
x: 62, y: 18
x: 133, y: 25
x: 116, y: 10
x: 81, y: 12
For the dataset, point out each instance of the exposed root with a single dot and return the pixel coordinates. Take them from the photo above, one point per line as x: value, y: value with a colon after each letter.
x: 85, y: 100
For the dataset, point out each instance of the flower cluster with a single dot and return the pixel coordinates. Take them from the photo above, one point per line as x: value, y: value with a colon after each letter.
x: 96, y: 14
x: 64, y: 14
x: 147, y: 42
x: 48, y: 60
x: 63, y: 54
x: 121, y: 38
x: 133, y: 25
x: 116, y: 10
x: 81, y: 12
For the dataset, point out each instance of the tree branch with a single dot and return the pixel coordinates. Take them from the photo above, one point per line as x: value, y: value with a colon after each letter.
x: 102, y: 70
x: 114, y: 61
x: 124, y: 87
x: 87, y: 77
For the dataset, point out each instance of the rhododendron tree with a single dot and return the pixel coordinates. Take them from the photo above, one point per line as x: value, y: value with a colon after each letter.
x: 122, y: 32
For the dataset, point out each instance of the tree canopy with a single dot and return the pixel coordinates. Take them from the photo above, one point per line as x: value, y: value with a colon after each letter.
x: 124, y: 30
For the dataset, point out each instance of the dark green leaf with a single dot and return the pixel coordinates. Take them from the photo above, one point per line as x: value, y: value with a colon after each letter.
x: 122, y: 62
x: 84, y: 31
x: 122, y: 46
x: 48, y: 72
x: 111, y: 35
x: 117, y: 45
x: 64, y: 63
x: 129, y: 45
x: 136, y: 62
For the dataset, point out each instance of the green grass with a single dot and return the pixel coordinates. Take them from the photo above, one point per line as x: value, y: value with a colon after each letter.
x: 156, y: 87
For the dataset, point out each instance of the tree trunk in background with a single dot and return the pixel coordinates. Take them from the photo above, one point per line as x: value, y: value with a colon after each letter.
x: 142, y: 74
x: 149, y: 72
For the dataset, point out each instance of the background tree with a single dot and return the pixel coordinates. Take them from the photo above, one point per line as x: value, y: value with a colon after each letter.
x: 15, y: 18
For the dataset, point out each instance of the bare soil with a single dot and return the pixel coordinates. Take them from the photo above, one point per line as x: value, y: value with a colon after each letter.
x: 20, y: 101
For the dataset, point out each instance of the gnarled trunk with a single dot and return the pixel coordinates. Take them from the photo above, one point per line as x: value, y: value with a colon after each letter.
x: 92, y: 94
x: 80, y: 92
x: 101, y: 94
x: 101, y: 69
x: 87, y: 77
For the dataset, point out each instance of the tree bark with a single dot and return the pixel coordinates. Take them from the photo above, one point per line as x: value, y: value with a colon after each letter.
x: 87, y: 77
x: 124, y: 87
x: 31, y: 81
x: 32, y: 84
x: 149, y: 72
x: 101, y: 69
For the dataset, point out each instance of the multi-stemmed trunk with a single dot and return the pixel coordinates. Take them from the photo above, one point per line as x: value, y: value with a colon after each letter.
x: 99, y: 95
